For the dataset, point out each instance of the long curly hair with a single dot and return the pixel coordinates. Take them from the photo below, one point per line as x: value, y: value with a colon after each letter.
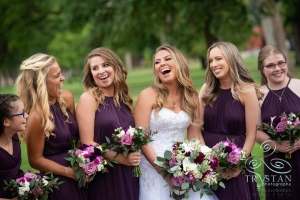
x: 32, y: 89
x: 237, y: 70
x: 189, y: 100
x: 120, y: 85
x: 265, y: 52
x: 6, y: 107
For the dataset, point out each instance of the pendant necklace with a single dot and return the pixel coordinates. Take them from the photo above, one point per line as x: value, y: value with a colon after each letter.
x: 279, y: 97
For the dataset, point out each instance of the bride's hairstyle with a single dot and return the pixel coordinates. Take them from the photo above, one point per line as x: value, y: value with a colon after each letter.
x: 32, y: 89
x: 189, y: 100
x: 237, y: 70
x: 120, y: 85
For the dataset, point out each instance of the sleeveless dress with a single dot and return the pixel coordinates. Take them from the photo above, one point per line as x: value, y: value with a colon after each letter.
x: 226, y: 119
x: 281, y: 183
x: 9, y: 166
x: 56, y: 149
x: 117, y: 183
x: 171, y: 128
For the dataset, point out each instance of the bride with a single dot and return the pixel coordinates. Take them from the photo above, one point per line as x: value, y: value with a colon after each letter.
x: 170, y: 106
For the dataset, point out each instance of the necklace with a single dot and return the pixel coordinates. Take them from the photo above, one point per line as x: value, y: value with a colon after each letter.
x: 279, y: 97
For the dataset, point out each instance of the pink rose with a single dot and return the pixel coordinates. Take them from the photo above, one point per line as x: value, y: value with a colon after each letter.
x: 90, y: 149
x: 126, y: 139
x: 89, y: 168
x: 78, y: 152
x: 296, y: 122
x: 217, y: 146
x: 280, y: 127
x: 233, y: 157
x: 98, y: 159
x: 29, y: 176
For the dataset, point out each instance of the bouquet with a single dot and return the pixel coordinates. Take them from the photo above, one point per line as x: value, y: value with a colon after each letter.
x: 32, y: 186
x: 284, y: 127
x: 131, y: 140
x: 230, y: 156
x: 86, y: 161
x: 190, y: 166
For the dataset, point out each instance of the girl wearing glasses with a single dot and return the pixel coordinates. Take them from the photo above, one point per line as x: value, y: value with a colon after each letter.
x: 51, y: 122
x: 13, y: 119
x: 282, y: 94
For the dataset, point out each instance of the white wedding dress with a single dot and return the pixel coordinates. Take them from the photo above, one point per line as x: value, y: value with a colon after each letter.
x: 171, y: 128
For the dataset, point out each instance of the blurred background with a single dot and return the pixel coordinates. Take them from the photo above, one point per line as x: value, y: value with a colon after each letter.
x: 70, y: 29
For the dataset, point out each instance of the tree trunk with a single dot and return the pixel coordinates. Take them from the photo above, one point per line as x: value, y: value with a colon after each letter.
x: 297, y: 42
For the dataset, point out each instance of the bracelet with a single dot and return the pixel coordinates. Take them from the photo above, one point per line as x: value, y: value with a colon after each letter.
x: 66, y: 170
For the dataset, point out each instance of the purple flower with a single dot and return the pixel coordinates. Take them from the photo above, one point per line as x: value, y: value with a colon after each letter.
x: 98, y: 159
x: 296, y: 122
x: 38, y: 191
x: 275, y: 120
x: 126, y: 139
x: 82, y: 147
x: 233, y: 157
x: 227, y: 149
x: 191, y: 178
x: 214, y: 163
x: 78, y: 152
x: 21, y: 180
x: 87, y: 155
x: 177, y: 181
x: 89, y: 168
x: 281, y: 127
x: 172, y: 162
x: 97, y: 152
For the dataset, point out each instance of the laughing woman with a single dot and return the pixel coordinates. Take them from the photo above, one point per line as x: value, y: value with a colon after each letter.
x: 51, y: 122
x: 105, y: 106
x: 13, y: 119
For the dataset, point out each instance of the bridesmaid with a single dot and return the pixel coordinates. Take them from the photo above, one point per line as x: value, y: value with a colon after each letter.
x: 51, y: 122
x: 104, y: 107
x: 229, y: 108
x: 282, y: 95
x: 13, y: 119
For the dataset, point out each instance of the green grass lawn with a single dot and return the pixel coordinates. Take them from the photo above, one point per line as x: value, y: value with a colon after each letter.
x: 138, y: 80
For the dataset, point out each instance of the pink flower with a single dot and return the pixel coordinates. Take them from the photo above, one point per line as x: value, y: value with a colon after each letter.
x: 172, y: 162
x: 78, y: 152
x: 89, y: 168
x: 296, y: 122
x: 214, y: 163
x: 281, y: 127
x: 126, y: 139
x: 21, y: 180
x: 90, y: 149
x: 217, y: 146
x: 191, y: 178
x: 29, y: 175
x: 38, y: 191
x: 233, y: 157
x: 177, y: 181
x: 98, y: 160
x: 87, y: 155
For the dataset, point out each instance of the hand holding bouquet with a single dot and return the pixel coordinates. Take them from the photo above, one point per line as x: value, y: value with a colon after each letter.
x: 190, y: 166
x: 32, y: 186
x: 284, y: 127
x: 230, y: 157
x: 86, y: 161
x: 131, y: 140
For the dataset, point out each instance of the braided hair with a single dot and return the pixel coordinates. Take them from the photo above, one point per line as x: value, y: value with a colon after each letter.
x: 6, y: 107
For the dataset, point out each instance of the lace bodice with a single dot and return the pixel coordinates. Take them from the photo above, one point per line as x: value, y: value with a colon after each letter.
x: 170, y: 128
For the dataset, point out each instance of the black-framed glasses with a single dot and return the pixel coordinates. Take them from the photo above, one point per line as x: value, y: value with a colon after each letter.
x: 280, y: 64
x: 22, y: 113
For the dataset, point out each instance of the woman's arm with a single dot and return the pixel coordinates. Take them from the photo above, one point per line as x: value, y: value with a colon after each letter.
x: 142, y: 112
x: 201, y: 111
x: 35, y: 140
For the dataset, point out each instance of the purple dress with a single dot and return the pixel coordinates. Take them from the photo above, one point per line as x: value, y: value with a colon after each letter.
x: 226, y: 119
x: 287, y: 178
x: 56, y: 149
x: 117, y: 183
x: 9, y: 166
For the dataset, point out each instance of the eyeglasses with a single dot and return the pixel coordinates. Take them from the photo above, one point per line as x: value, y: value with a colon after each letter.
x: 280, y: 64
x: 22, y: 113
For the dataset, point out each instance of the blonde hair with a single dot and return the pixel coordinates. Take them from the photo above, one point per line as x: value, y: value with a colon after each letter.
x: 120, y: 85
x: 265, y: 52
x: 32, y: 89
x: 237, y: 70
x: 189, y: 100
